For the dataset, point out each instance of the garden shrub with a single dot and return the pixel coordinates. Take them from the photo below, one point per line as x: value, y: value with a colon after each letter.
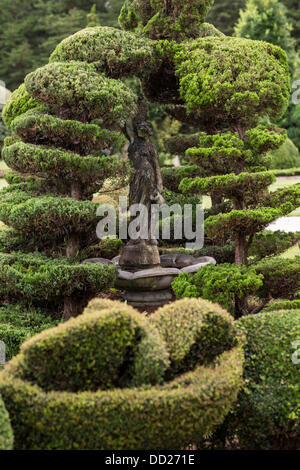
x: 43, y: 279
x: 287, y: 156
x: 18, y: 323
x: 144, y: 414
x: 268, y: 411
x: 225, y: 283
x: 196, y: 332
x: 119, y: 343
x: 268, y: 243
x: 283, y: 305
x: 281, y: 277
x: 6, y: 434
x: 13, y: 337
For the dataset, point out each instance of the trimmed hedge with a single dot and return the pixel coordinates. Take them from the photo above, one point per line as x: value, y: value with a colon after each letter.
x: 119, y: 343
x: 281, y: 277
x: 225, y: 283
x: 42, y: 279
x: 195, y: 331
x: 6, y: 434
x: 268, y: 411
x: 170, y: 415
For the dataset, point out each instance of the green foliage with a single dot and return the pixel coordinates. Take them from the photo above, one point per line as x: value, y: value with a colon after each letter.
x: 173, y: 176
x: 287, y: 156
x: 113, y: 52
x: 293, y: 125
x: 195, y: 331
x: 119, y: 343
x: 237, y: 222
x: 92, y: 17
x: 224, y: 283
x: 13, y: 337
x: 229, y: 186
x: 21, y: 316
x: 62, y: 165
x: 288, y: 198
x: 222, y: 254
x: 268, y: 243
x: 269, y: 401
x: 232, y: 80
x: 181, y: 199
x: 224, y: 14
x: 164, y: 20
x: 19, y: 103
x: 37, y: 127
x: 228, y: 153
x: 42, y: 279
x: 6, y: 433
x: 266, y: 20
x: 76, y: 91
x: 175, y: 412
x: 3, y: 133
x: 31, y: 30
x: 282, y: 305
x: 281, y: 277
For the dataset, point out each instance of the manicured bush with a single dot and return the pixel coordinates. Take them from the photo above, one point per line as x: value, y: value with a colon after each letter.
x: 119, y: 343
x: 226, y: 283
x: 281, y: 277
x: 196, y: 332
x: 287, y: 156
x: 6, y: 434
x: 282, y: 305
x: 268, y: 411
x: 145, y: 415
x: 44, y: 279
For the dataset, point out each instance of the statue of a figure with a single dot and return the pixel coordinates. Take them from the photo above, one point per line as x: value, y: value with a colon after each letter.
x: 145, y: 187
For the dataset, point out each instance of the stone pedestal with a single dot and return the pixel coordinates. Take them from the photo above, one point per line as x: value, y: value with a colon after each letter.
x: 139, y: 255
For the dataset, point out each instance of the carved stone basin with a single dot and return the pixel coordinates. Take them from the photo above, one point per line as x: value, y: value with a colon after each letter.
x: 152, y: 287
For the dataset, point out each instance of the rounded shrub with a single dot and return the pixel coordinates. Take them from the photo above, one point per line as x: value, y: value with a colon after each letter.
x: 196, y: 332
x: 6, y: 434
x: 100, y: 381
x: 268, y: 411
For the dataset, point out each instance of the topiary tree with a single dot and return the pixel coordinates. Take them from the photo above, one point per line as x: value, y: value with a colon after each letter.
x: 128, y: 374
x: 62, y: 119
x: 220, y: 96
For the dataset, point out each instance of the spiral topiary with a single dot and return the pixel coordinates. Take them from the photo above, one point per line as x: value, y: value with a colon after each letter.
x: 106, y: 380
x: 63, y: 117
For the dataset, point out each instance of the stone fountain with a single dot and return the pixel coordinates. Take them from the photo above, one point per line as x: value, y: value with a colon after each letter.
x: 144, y: 275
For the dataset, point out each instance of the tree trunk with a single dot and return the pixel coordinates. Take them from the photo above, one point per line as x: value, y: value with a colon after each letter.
x: 73, y: 245
x: 74, y: 305
x: 76, y: 191
x: 241, y: 307
x: 240, y: 250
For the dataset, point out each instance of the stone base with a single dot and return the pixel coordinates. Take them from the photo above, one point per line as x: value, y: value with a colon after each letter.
x: 148, y: 299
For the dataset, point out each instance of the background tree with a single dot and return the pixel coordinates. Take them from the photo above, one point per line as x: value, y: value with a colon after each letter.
x: 63, y: 118
x: 30, y: 31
